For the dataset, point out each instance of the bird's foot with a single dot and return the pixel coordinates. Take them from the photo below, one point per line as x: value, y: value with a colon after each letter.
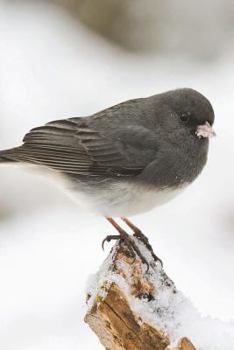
x: 127, y: 240
x: 110, y: 238
x: 140, y: 235
x: 130, y: 244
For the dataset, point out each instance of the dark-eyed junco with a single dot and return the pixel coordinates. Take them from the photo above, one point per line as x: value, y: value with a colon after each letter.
x: 128, y: 158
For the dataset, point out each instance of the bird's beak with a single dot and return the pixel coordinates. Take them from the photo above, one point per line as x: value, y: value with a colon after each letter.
x: 205, y: 130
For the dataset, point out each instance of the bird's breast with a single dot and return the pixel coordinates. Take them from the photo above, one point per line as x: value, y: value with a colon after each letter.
x: 122, y: 198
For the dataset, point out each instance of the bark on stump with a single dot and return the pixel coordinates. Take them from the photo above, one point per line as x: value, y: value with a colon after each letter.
x: 119, y: 300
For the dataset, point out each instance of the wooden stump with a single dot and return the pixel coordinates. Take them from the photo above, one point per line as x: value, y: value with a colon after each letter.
x: 125, y: 310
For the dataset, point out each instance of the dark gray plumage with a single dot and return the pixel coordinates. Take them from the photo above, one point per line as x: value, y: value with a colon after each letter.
x: 153, y: 143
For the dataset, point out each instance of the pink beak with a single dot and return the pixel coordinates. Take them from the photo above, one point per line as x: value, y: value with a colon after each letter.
x: 205, y: 130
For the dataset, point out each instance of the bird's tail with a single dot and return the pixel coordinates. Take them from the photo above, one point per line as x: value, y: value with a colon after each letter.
x: 5, y: 156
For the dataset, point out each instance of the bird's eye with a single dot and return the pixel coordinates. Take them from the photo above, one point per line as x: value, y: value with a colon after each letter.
x: 185, y: 117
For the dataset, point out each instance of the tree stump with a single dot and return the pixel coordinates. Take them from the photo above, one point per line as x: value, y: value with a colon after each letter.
x: 130, y: 306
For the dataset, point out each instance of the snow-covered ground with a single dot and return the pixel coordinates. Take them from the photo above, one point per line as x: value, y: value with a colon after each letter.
x: 50, y: 68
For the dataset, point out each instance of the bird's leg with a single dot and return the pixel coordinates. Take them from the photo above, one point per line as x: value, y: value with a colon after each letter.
x: 140, y: 235
x: 126, y: 238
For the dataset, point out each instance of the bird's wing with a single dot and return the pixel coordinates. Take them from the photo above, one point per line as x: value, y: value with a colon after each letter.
x: 72, y: 146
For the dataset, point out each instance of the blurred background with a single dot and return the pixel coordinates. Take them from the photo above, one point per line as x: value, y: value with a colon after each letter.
x: 69, y: 58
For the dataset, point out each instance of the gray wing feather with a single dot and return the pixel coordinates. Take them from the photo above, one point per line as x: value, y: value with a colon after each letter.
x: 72, y: 146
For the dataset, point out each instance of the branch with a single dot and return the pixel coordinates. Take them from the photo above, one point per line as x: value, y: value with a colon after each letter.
x: 131, y: 308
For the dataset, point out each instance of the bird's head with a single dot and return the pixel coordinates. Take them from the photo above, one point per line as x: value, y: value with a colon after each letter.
x: 193, y: 112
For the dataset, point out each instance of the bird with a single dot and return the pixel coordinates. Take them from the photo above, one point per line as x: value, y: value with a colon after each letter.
x: 126, y: 159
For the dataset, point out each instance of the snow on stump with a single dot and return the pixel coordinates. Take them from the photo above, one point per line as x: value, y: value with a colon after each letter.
x: 132, y: 307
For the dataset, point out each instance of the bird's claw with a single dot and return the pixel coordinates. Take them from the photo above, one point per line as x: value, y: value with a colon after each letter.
x: 131, y: 245
x: 140, y: 235
x: 108, y: 239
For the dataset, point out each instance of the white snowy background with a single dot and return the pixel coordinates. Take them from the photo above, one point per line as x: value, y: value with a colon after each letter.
x: 53, y: 67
